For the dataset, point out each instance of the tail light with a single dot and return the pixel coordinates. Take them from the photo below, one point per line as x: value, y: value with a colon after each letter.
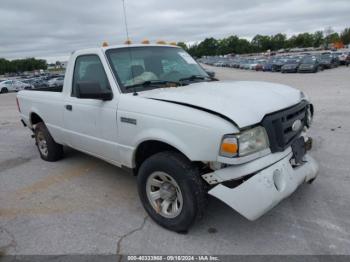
x: 19, y: 109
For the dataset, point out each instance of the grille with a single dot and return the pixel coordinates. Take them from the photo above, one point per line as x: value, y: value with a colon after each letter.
x: 278, y: 126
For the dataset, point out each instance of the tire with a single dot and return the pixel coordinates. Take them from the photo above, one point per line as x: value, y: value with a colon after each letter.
x: 188, y: 187
x: 4, y: 90
x: 48, y: 149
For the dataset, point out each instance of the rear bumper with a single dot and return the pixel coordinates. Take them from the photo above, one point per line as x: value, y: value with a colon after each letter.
x: 267, y: 188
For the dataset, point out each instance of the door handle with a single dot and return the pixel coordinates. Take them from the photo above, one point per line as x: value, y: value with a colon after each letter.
x: 69, y: 107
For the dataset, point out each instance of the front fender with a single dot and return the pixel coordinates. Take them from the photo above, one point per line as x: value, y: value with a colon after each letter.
x: 197, y: 143
x: 164, y: 137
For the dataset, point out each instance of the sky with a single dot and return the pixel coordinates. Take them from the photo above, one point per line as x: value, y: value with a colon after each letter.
x: 53, y: 29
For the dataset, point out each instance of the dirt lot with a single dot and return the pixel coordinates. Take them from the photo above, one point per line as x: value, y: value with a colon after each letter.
x: 83, y: 205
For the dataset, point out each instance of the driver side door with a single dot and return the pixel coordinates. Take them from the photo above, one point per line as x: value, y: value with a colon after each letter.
x: 91, y: 124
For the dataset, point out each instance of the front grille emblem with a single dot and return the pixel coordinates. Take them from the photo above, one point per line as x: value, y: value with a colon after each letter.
x: 297, y: 125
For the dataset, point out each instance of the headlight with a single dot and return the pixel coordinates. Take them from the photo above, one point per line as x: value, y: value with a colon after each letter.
x: 309, y: 115
x: 248, y: 142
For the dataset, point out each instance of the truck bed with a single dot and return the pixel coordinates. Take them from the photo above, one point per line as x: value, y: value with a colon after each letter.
x: 48, y: 89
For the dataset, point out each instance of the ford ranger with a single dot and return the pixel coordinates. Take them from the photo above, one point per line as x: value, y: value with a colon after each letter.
x: 155, y: 110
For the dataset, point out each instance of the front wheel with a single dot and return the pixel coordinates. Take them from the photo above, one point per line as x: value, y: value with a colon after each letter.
x: 49, y: 150
x: 171, y: 190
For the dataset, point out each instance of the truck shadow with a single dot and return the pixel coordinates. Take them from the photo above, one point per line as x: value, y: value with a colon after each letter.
x: 120, y: 192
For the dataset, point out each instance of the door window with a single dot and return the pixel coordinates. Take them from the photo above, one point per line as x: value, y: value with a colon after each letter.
x: 89, y: 68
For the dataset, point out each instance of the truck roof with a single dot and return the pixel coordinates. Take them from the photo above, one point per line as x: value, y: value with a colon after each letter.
x: 123, y: 46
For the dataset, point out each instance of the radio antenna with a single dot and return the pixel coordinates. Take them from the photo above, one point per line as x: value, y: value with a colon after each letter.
x: 128, y: 43
x: 126, y: 23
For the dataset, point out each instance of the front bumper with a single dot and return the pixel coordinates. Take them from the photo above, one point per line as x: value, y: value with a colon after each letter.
x: 306, y: 70
x: 267, y: 187
x: 290, y: 70
x: 326, y: 66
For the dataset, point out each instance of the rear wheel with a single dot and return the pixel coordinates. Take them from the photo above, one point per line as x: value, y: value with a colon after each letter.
x: 4, y: 90
x: 49, y: 150
x: 171, y: 190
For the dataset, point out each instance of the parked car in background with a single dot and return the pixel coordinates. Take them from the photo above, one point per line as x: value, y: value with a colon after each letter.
x: 260, y: 65
x: 278, y: 62
x: 268, y: 65
x: 342, y: 56
x: 277, y: 65
x: 56, y: 82
x: 29, y: 82
x: 309, y: 64
x: 347, y: 61
x: 243, y: 63
x: 290, y: 66
x: 252, y: 64
x: 13, y: 85
x: 39, y: 83
x: 4, y: 88
x: 329, y: 61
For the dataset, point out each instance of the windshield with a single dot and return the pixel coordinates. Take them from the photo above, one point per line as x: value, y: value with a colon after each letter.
x: 292, y: 61
x: 309, y: 60
x: 153, y: 64
x: 326, y: 57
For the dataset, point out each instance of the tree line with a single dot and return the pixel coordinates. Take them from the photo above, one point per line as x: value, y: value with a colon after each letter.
x: 262, y: 43
x: 21, y: 65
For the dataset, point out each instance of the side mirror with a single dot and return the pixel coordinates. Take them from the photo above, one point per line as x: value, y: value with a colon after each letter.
x: 211, y: 74
x: 92, y: 90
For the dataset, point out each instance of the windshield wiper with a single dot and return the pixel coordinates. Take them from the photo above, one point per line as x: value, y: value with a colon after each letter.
x: 152, y: 83
x: 193, y: 77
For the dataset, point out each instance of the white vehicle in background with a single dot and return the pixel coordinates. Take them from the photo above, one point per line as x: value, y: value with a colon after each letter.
x: 253, y: 64
x: 56, y: 82
x: 342, y: 56
x: 13, y: 85
x: 154, y: 110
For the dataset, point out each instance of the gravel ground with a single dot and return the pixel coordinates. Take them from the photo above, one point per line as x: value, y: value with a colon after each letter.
x: 83, y: 205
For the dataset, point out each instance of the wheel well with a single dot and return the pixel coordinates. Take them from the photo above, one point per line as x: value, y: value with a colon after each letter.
x: 149, y: 148
x: 35, y: 119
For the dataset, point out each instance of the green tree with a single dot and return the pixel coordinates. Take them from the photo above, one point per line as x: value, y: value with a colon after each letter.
x: 278, y: 41
x: 208, y: 47
x: 332, y: 38
x: 345, y: 36
x: 318, y: 39
x: 182, y: 45
x: 261, y: 43
x: 21, y: 65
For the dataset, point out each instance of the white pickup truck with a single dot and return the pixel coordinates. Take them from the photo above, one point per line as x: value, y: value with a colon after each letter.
x: 153, y: 109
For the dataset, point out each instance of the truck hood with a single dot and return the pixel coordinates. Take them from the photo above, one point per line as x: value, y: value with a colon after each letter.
x: 245, y: 103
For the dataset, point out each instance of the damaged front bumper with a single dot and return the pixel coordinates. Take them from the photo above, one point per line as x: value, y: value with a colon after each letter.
x: 266, y: 187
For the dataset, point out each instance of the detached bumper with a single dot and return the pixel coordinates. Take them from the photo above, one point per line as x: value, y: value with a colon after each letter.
x: 267, y: 188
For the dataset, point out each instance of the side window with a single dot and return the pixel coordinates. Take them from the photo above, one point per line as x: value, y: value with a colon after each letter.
x: 89, y: 68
